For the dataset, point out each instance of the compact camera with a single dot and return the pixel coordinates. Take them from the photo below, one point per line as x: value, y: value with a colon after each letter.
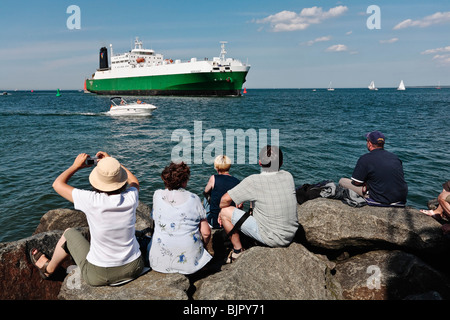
x: 91, y: 161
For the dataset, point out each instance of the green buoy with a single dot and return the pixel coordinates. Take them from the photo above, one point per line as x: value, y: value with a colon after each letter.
x: 58, y: 94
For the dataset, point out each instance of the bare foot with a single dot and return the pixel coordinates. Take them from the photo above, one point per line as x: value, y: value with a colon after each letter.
x: 428, y: 212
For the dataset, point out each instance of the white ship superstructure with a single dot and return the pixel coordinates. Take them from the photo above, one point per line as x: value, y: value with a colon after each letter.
x: 219, y: 76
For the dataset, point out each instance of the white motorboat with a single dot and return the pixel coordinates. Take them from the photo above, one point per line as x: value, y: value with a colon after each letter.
x: 120, y: 107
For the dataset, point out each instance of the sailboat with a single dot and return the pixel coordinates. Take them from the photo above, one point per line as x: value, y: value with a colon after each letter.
x: 401, y: 86
x: 372, y: 86
x: 330, y: 88
x: 439, y: 85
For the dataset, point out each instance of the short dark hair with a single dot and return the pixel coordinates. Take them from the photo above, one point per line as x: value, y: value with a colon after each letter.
x: 379, y: 144
x: 271, y: 158
x: 175, y: 175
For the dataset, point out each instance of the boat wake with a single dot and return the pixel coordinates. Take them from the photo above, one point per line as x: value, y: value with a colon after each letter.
x: 50, y: 114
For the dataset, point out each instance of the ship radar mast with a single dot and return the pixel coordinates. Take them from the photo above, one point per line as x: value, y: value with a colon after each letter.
x: 223, y: 52
x: 137, y: 43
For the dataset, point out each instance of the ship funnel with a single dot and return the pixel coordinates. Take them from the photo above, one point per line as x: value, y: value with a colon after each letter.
x: 103, y: 58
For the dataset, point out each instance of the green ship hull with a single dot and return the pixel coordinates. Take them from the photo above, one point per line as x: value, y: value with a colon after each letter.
x: 193, y: 84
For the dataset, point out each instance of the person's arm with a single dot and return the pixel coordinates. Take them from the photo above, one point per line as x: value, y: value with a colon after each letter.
x: 210, y: 184
x: 132, y: 180
x: 357, y: 183
x: 60, y: 184
x: 360, y: 171
x: 225, y: 201
x: 205, y: 231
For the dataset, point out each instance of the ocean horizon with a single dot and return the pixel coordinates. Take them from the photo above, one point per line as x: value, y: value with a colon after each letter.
x: 249, y: 88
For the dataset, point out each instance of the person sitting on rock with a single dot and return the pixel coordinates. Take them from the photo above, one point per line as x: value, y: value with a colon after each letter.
x: 443, y: 209
x: 113, y: 254
x: 378, y: 175
x: 181, y: 230
x: 217, y: 186
x: 274, y: 220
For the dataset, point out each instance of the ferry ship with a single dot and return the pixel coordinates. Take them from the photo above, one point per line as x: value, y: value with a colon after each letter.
x: 144, y: 72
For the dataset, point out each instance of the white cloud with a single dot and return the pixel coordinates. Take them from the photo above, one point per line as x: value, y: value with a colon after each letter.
x: 437, y: 18
x: 432, y: 51
x: 291, y: 21
x: 439, y: 58
x: 442, y: 59
x: 320, y: 39
x: 389, y: 41
x: 337, y: 48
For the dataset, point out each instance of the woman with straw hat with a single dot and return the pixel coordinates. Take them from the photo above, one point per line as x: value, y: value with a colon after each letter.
x: 113, y: 255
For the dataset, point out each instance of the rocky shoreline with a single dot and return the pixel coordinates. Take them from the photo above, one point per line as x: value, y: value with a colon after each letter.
x: 340, y: 253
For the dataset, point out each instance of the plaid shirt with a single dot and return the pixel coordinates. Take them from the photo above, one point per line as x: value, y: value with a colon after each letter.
x: 275, y: 205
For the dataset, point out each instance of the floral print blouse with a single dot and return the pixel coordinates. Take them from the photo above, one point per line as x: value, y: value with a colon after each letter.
x: 176, y: 245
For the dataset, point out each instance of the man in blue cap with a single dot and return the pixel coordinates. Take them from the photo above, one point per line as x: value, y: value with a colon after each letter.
x: 378, y: 175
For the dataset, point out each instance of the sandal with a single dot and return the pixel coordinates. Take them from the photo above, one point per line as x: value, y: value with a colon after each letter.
x: 233, y: 256
x: 34, y: 258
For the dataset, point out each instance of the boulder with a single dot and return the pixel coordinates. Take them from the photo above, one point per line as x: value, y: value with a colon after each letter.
x: 61, y: 219
x: 341, y: 252
x: 150, y: 286
x: 333, y: 225
x: 19, y: 279
x: 390, y: 275
x: 263, y: 273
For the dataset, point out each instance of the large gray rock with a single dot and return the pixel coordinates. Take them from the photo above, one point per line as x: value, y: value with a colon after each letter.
x: 263, y: 273
x: 390, y: 275
x: 19, y: 279
x: 61, y: 219
x: 331, y: 224
x: 150, y: 286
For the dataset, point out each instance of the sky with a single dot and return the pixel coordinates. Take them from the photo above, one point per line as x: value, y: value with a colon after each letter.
x: 289, y: 44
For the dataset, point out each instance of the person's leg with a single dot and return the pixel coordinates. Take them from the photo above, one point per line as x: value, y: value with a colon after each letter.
x: 347, y: 183
x: 226, y: 215
x: 59, y: 255
x: 443, y: 209
x: 444, y: 203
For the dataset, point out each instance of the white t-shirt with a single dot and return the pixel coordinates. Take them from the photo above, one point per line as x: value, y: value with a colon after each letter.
x: 111, y: 222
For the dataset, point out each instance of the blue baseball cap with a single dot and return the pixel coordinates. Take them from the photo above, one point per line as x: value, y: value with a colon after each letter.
x: 375, y: 137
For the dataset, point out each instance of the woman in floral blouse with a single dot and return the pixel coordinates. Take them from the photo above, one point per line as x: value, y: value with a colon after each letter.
x: 181, y: 229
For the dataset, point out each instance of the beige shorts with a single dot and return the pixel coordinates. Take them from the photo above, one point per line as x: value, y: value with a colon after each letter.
x: 78, y: 247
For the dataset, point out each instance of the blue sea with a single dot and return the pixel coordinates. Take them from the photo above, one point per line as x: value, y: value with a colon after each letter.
x: 321, y: 134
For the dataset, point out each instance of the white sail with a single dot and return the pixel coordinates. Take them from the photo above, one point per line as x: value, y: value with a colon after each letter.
x: 401, y: 86
x: 330, y: 88
x: 372, y: 86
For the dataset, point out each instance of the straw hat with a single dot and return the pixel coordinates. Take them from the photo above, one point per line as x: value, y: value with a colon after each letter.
x: 108, y: 175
